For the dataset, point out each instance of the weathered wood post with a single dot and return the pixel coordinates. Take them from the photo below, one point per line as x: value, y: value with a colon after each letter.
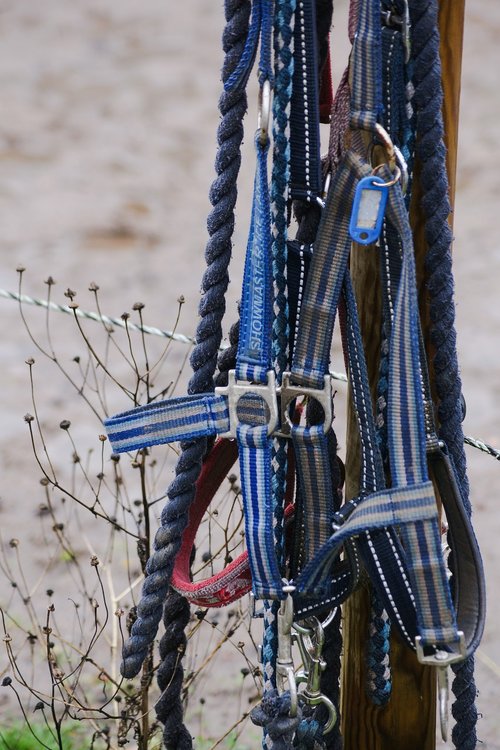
x: 409, y: 720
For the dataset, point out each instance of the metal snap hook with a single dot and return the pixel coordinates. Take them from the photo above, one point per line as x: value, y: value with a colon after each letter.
x: 264, y: 116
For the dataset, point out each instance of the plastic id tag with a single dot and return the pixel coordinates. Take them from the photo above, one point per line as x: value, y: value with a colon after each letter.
x: 368, y: 210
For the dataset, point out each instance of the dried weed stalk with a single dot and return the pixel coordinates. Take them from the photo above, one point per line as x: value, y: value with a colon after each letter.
x: 70, y: 599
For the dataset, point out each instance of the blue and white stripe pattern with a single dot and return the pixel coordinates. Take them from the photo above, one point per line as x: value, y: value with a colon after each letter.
x: 182, y: 418
x: 254, y: 345
x: 255, y: 471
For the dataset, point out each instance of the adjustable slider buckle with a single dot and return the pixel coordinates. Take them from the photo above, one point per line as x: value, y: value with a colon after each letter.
x: 442, y: 659
x: 290, y: 392
x: 235, y: 390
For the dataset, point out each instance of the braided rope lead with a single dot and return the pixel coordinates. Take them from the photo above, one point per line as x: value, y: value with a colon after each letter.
x: 232, y: 105
x: 428, y: 100
x: 280, y: 177
x: 220, y: 224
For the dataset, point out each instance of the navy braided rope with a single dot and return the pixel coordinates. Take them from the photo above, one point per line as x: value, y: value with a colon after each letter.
x: 220, y: 223
x: 170, y: 673
x: 430, y: 149
x: 283, y: 74
x: 280, y: 177
x: 379, y: 680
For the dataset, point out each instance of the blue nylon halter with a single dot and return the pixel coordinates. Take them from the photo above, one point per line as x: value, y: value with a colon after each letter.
x: 410, y: 503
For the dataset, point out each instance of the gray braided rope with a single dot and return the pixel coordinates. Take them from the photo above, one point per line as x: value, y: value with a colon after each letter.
x: 223, y: 193
x: 220, y: 224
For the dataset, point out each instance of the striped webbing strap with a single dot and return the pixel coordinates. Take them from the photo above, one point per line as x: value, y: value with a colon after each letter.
x: 366, y: 79
x: 247, y: 408
x: 410, y: 504
x: 305, y: 163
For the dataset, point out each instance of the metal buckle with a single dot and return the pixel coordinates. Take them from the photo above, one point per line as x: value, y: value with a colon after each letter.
x: 235, y: 390
x: 441, y: 660
x: 289, y: 392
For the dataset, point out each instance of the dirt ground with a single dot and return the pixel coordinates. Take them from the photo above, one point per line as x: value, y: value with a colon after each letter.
x: 107, y: 139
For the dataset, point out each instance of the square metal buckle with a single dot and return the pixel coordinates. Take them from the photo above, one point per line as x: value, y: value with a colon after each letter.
x: 235, y: 390
x: 441, y: 658
x: 289, y: 392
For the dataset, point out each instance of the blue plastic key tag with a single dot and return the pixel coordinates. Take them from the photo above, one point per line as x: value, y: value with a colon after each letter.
x: 368, y: 210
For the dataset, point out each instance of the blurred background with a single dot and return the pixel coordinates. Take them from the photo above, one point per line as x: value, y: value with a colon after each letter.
x: 107, y: 141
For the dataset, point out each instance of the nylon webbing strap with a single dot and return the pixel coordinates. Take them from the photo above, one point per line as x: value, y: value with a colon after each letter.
x: 305, y: 161
x: 254, y: 345
x: 366, y: 87
x: 311, y: 355
x: 183, y: 418
x: 410, y: 504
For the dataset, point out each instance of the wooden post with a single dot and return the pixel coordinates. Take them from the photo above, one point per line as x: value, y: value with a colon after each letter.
x: 409, y: 720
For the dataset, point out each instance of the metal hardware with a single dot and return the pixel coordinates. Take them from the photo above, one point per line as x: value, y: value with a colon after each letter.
x: 321, y: 199
x: 289, y: 392
x: 442, y: 659
x: 393, y: 20
x: 388, y: 145
x: 443, y: 693
x: 285, y: 673
x: 264, y: 116
x: 389, y: 183
x: 311, y: 641
x: 235, y: 390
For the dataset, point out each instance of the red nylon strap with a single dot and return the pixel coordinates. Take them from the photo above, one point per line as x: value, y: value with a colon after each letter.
x: 235, y: 580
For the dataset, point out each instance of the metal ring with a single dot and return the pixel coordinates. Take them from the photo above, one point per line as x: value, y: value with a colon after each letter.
x: 387, y: 143
x: 390, y: 183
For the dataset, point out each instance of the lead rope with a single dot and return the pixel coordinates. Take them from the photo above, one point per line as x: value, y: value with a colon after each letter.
x: 283, y: 53
x: 220, y: 225
x: 397, y: 120
x: 435, y: 203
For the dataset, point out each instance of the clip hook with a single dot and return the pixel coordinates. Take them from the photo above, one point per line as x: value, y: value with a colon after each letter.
x: 443, y: 694
x: 285, y: 673
x: 264, y: 116
x: 311, y: 641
